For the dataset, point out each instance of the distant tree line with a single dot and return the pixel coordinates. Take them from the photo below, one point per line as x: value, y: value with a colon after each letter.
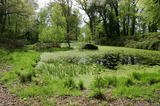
x: 60, y: 21
x: 111, y: 18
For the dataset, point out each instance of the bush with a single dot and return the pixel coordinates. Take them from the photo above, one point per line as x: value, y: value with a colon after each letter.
x: 110, y: 81
x: 125, y: 82
x: 148, y: 41
x: 136, y: 75
x: 154, y: 45
x: 98, y: 83
x: 42, y: 46
x: 26, y: 77
x: 80, y: 85
x: 70, y: 83
x: 97, y: 93
x: 90, y: 46
x: 149, y: 78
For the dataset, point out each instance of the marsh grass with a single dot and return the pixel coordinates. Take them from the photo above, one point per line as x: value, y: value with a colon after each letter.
x: 65, y: 69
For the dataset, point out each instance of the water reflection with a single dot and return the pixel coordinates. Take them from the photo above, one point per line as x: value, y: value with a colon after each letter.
x: 112, y: 61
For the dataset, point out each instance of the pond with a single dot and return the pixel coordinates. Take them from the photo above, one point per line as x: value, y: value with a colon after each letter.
x: 112, y: 60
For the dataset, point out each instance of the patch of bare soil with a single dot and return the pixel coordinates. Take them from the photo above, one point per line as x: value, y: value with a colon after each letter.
x: 80, y: 101
x: 108, y: 101
x: 5, y: 68
x: 77, y: 101
x: 7, y: 99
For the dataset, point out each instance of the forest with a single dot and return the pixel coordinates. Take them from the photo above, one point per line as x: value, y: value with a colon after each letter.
x: 80, y: 52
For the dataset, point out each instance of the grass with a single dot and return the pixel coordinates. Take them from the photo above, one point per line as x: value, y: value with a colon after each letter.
x: 28, y: 83
x: 69, y: 72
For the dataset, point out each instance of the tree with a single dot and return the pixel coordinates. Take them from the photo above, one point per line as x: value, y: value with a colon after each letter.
x: 59, y: 21
x: 14, y: 14
x: 151, y: 13
x: 51, y: 24
x: 89, y: 7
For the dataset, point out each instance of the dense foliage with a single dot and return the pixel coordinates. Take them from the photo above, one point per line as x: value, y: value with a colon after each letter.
x: 60, y: 20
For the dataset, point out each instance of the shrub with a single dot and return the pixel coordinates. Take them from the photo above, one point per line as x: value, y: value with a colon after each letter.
x: 154, y: 45
x: 70, y: 83
x: 125, y: 82
x: 44, y: 46
x: 97, y: 93
x: 110, y: 81
x: 149, y: 78
x: 148, y: 41
x: 90, y: 46
x: 80, y: 85
x: 98, y: 83
x: 25, y: 77
x: 136, y: 75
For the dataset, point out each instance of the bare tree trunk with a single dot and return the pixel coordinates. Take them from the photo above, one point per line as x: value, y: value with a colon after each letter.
x: 124, y: 26
x: 68, y: 27
x: 4, y: 23
x: 133, y: 19
x: 133, y: 25
x: 128, y: 25
x: 115, y: 5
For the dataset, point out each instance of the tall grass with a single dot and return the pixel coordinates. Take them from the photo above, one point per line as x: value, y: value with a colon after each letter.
x: 141, y: 86
x: 65, y: 69
x: 27, y: 82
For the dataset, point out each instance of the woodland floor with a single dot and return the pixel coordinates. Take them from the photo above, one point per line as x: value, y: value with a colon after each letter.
x: 7, y: 99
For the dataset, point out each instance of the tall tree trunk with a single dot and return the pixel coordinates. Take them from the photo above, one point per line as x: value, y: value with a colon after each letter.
x: 110, y: 24
x: 144, y: 28
x: 152, y: 27
x: 91, y: 25
x: 124, y: 27
x: 133, y: 25
x: 105, y: 27
x: 4, y: 23
x: 68, y: 27
x: 117, y: 15
x: 16, y: 29
x: 128, y: 25
x: 149, y: 27
x: 104, y: 18
x: 133, y: 19
x: 128, y: 18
